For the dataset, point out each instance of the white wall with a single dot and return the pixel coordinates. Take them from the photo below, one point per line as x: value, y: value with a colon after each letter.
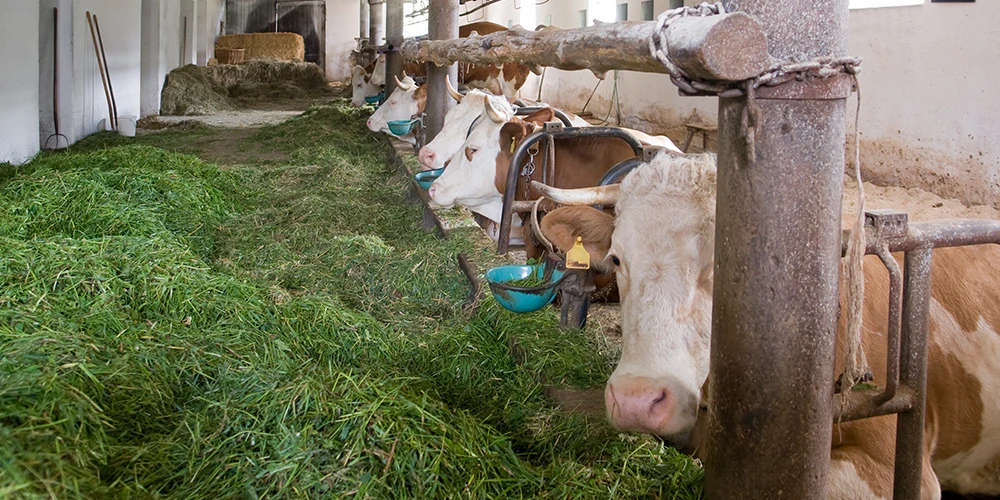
x: 19, y: 82
x: 342, y: 18
x: 121, y: 30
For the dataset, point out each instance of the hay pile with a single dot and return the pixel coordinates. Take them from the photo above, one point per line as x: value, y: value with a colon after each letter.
x: 280, y: 46
x: 170, y: 329
x: 196, y: 90
x: 189, y: 91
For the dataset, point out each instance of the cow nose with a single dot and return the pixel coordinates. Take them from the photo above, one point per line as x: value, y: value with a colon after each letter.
x: 639, y: 405
x: 426, y: 157
x: 431, y: 191
x: 369, y: 123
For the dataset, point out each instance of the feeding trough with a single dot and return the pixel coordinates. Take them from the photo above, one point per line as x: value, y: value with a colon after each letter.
x: 427, y: 177
x: 524, y: 288
x: 402, y: 127
x: 374, y: 99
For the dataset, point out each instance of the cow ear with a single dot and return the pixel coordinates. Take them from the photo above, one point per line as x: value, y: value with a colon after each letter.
x: 493, y: 86
x: 511, y: 134
x: 562, y: 225
x: 541, y: 116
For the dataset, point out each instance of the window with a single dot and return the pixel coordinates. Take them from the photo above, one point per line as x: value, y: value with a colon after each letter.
x: 583, y: 18
x: 676, y: 4
x: 510, y: 23
x: 870, y: 4
x: 621, y: 14
x: 647, y: 10
x: 548, y: 19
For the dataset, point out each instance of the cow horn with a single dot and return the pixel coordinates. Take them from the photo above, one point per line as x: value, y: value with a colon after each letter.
x: 452, y: 92
x: 400, y: 84
x: 600, y: 195
x: 494, y: 113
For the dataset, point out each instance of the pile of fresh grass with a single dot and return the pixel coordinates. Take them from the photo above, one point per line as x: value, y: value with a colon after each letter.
x: 169, y: 328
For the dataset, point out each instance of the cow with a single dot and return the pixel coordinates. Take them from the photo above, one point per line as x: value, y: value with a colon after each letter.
x: 661, y: 243
x: 367, y: 81
x: 504, y: 79
x: 405, y: 102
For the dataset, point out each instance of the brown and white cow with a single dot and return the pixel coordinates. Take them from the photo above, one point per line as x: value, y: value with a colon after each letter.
x: 367, y: 81
x: 661, y: 242
x: 405, y: 102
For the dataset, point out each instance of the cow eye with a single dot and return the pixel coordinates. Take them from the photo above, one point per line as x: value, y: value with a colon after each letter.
x: 469, y: 151
x: 614, y: 258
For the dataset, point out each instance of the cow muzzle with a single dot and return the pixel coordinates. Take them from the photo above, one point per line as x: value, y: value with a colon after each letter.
x: 641, y: 404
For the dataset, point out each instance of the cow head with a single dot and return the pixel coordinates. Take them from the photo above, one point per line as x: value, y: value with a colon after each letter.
x: 469, y: 178
x: 457, y: 124
x: 407, y: 100
x: 661, y: 244
x: 478, y: 171
x: 365, y: 82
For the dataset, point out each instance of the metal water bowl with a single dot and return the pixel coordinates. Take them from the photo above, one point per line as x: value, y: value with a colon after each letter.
x: 427, y: 177
x: 520, y: 299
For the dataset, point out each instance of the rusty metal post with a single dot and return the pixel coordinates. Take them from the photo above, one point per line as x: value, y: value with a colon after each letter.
x: 393, y: 39
x: 376, y: 22
x: 576, y: 291
x: 913, y: 373
x: 442, y: 24
x: 364, y: 26
x: 777, y: 252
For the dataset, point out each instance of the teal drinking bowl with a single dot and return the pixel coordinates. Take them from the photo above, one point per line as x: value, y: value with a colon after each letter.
x: 520, y: 299
x: 427, y: 177
x: 402, y: 127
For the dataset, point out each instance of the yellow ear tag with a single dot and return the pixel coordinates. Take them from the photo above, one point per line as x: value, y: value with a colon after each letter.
x: 577, y: 257
x: 512, y: 141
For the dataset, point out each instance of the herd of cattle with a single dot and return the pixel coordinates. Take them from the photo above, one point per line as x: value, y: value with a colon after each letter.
x: 658, y: 245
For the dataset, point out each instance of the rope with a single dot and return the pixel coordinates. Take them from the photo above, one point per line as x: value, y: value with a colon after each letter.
x: 855, y: 362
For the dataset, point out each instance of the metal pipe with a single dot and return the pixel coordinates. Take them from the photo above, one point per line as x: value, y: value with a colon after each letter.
x: 893, y: 340
x: 393, y: 39
x: 442, y: 24
x: 503, y: 239
x: 376, y: 22
x: 913, y: 373
x: 777, y: 255
x: 937, y: 234
x: 860, y: 405
x: 364, y: 25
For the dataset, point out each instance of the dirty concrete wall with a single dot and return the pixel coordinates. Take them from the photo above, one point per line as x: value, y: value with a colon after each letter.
x: 930, y: 114
x: 19, y: 52
x: 120, y: 24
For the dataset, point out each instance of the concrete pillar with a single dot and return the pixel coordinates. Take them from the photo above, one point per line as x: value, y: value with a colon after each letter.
x: 204, y: 28
x: 393, y: 40
x: 364, y: 19
x: 442, y: 24
x: 376, y: 21
x: 149, y: 59
x: 777, y: 254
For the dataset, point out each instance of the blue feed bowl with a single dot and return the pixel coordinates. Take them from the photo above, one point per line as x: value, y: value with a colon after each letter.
x: 427, y: 177
x: 401, y: 127
x: 522, y: 300
x: 373, y: 99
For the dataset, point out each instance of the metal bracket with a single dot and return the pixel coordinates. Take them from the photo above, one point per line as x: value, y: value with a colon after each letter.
x: 887, y: 224
x: 554, y: 127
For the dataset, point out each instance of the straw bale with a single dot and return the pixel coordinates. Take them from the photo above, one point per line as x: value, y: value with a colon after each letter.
x: 281, y: 46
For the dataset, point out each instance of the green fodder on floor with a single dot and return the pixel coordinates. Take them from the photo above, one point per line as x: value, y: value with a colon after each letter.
x: 169, y: 328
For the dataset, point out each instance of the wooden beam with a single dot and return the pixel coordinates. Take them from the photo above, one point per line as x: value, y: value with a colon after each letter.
x: 727, y: 47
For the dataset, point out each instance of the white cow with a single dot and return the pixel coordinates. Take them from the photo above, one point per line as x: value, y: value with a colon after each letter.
x: 367, y: 81
x: 661, y: 241
x: 405, y: 102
